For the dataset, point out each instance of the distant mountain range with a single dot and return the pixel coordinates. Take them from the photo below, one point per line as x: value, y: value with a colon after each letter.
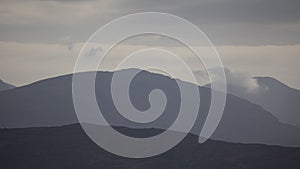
x: 275, y: 97
x: 5, y: 86
x: 49, y: 103
x: 69, y: 147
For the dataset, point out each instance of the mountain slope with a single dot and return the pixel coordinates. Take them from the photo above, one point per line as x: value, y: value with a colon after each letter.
x: 49, y: 103
x: 68, y: 147
x: 5, y: 86
x: 275, y: 97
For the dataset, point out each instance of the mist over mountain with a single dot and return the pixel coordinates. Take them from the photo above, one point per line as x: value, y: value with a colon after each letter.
x: 5, y: 86
x: 49, y: 103
x: 271, y: 94
x: 279, y: 99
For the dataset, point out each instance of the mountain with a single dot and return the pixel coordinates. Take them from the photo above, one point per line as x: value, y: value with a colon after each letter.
x: 275, y: 97
x: 69, y: 147
x: 49, y: 103
x: 5, y: 86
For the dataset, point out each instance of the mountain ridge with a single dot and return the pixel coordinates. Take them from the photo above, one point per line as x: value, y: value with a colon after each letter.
x: 49, y: 103
x: 274, y: 96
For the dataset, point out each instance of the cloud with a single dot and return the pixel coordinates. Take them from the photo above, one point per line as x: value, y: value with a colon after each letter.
x: 233, y: 11
x: 239, y: 81
x: 94, y: 51
x: 45, y: 12
x: 242, y: 80
x: 206, y: 11
x: 261, y: 37
x: 226, y: 22
x: 67, y: 42
x: 23, y: 63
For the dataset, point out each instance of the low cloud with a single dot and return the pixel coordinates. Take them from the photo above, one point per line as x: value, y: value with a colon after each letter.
x: 242, y: 80
x: 67, y: 42
x: 236, y: 80
x: 93, y: 52
x: 23, y: 63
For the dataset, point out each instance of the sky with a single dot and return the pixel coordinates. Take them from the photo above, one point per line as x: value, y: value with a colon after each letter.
x: 42, y: 39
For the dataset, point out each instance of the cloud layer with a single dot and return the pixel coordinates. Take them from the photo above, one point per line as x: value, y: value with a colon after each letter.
x: 227, y: 22
x: 39, y: 39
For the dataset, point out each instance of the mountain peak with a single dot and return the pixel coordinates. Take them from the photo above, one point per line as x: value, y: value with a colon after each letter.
x: 271, y: 82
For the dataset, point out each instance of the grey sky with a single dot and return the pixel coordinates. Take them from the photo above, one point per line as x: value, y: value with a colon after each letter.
x: 39, y: 39
x: 227, y: 22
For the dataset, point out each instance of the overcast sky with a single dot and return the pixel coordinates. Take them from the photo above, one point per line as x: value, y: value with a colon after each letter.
x: 41, y: 39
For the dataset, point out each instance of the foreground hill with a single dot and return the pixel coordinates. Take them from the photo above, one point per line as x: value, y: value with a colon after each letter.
x: 69, y: 147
